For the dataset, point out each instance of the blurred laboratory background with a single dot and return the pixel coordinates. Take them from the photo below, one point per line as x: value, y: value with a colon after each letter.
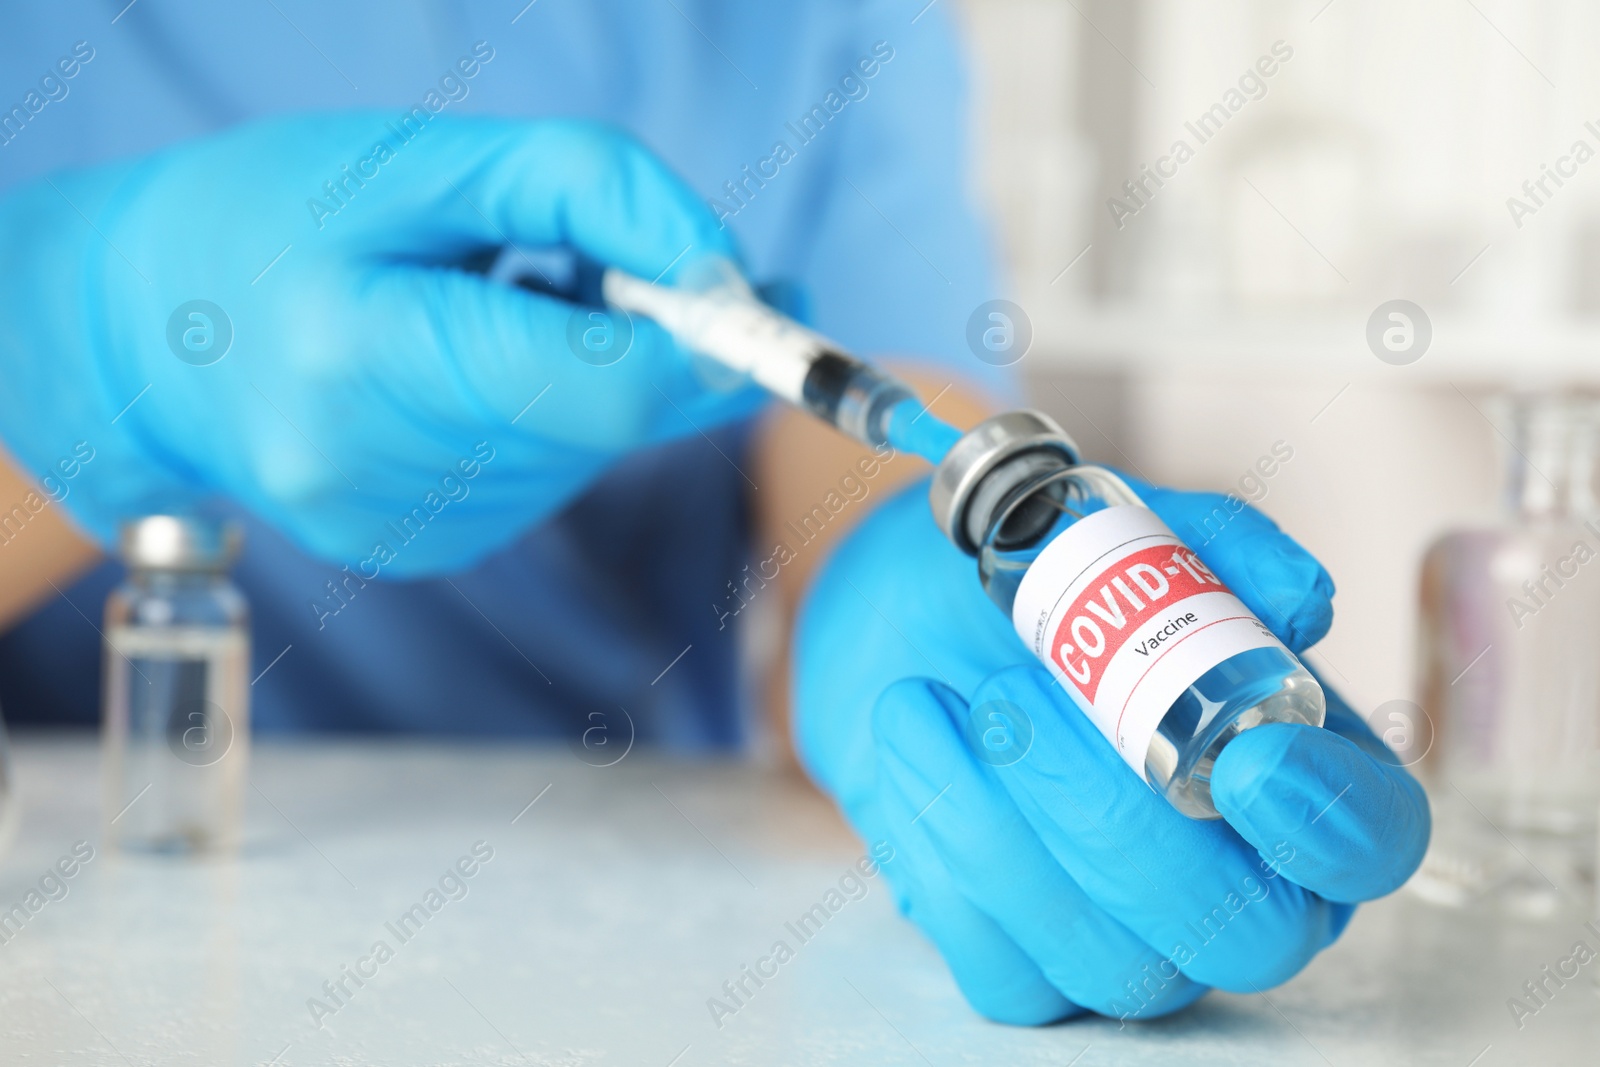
x: 1224, y: 322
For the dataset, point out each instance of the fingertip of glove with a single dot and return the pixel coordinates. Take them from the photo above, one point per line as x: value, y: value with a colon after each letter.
x: 1296, y: 591
x: 1356, y: 826
x: 1309, y: 624
x: 1248, y: 768
x: 1280, y: 778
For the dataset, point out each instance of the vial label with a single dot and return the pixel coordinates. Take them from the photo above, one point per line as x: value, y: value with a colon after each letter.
x: 1127, y: 617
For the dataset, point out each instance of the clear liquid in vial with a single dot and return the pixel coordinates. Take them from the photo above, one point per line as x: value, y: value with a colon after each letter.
x: 177, y: 736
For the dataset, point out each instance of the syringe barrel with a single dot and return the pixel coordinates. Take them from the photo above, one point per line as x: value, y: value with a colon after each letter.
x: 854, y: 396
x: 788, y: 360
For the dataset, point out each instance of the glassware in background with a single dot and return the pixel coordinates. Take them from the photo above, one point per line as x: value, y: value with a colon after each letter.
x: 1510, y: 673
x: 176, y: 697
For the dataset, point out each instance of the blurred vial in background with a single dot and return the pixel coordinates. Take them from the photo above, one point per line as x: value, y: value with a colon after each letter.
x: 1510, y: 673
x: 176, y: 697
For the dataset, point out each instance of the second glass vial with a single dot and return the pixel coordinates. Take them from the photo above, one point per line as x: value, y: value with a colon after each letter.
x: 176, y: 696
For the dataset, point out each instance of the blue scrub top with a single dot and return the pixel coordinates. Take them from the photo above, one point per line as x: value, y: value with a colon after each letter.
x: 865, y: 209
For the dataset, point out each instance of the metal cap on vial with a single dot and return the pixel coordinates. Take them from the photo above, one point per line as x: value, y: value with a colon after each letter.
x: 179, y: 543
x: 989, y: 461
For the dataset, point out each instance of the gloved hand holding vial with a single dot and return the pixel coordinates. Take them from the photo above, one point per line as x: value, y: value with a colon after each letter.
x: 1053, y: 880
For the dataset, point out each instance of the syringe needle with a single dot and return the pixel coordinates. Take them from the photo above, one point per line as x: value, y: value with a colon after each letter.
x: 793, y: 363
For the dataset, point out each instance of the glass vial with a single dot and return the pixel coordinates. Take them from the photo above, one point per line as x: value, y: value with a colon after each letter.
x: 1163, y: 658
x: 1509, y: 625
x: 176, y: 699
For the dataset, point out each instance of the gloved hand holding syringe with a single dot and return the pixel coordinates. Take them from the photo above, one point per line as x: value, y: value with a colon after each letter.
x: 1165, y: 660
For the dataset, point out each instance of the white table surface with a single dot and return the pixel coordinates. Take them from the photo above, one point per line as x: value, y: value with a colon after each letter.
x: 612, y: 909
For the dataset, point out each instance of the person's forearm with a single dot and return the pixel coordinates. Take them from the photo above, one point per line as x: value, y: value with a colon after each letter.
x: 40, y: 549
x: 802, y: 466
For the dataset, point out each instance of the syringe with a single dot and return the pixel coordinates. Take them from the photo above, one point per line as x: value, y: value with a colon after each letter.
x: 730, y: 325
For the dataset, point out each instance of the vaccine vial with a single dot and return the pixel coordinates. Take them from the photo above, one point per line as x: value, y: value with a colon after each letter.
x: 1509, y: 746
x: 1160, y: 655
x: 176, y: 700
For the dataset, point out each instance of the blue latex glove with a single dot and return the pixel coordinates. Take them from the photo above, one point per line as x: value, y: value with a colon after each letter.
x: 375, y: 373
x: 1061, y: 883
